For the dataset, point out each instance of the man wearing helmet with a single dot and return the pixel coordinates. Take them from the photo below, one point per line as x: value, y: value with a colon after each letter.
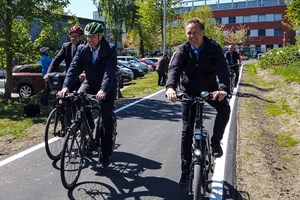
x: 67, y: 52
x: 99, y: 61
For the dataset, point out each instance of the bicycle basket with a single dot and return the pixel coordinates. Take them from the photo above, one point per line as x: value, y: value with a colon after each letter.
x: 56, y: 80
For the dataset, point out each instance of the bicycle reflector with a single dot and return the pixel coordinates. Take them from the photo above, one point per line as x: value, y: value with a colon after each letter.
x: 197, y: 152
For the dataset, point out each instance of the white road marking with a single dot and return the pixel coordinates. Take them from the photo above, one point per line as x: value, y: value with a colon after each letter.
x: 219, y: 170
x: 28, y: 151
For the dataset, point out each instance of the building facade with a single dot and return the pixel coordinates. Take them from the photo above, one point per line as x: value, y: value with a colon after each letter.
x: 264, y: 20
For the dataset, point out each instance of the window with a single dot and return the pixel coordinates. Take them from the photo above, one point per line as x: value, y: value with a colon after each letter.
x: 254, y: 18
x: 218, y: 20
x: 262, y: 32
x: 277, y: 32
x: 247, y: 19
x: 278, y: 17
x: 269, y: 17
x: 269, y: 46
x: 261, y: 18
x: 254, y: 33
x: 231, y: 20
x: 239, y: 19
x: 269, y: 32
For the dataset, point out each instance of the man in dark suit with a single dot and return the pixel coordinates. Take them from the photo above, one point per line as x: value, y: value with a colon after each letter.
x: 233, y: 58
x: 99, y: 61
x: 66, y: 53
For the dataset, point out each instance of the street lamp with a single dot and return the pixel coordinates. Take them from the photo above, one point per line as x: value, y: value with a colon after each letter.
x: 283, y: 40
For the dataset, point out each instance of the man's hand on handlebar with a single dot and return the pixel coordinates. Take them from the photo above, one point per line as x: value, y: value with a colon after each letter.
x: 63, y: 92
x: 171, y: 95
x: 219, y: 95
x: 101, y: 95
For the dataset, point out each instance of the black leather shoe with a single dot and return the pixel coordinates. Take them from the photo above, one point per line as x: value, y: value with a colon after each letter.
x: 106, y: 162
x: 217, y: 151
x: 184, y: 180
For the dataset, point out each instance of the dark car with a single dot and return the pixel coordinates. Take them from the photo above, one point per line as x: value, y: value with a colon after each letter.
x: 137, y: 71
x: 27, y: 79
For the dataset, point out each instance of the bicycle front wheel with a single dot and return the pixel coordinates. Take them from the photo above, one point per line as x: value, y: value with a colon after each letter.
x: 56, y: 128
x: 72, y: 157
x: 198, y: 182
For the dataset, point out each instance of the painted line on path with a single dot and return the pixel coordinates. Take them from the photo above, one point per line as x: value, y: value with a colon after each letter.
x: 36, y: 147
x: 217, y: 187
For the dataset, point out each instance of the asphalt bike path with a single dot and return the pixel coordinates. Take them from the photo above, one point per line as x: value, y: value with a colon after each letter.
x: 145, y: 164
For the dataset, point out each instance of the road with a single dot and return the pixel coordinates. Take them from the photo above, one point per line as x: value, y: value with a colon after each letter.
x: 145, y: 165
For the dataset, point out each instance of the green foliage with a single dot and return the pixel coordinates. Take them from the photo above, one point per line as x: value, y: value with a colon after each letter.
x: 12, y: 121
x: 286, y: 140
x: 280, y: 57
x: 142, y: 86
x: 26, y: 10
x: 289, y: 73
x: 272, y: 109
x: 293, y: 13
x: 275, y: 109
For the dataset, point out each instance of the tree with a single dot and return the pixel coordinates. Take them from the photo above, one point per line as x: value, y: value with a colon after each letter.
x: 117, y: 14
x: 176, y: 31
x: 236, y: 37
x: 27, y: 10
x: 293, y: 14
x: 150, y: 14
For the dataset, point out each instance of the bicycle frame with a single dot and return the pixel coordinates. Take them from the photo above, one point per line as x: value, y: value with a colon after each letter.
x: 201, y: 144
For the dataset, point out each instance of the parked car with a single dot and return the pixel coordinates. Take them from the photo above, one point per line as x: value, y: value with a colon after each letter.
x: 27, y: 79
x: 126, y: 74
x: 150, y: 62
x: 2, y: 73
x: 137, y: 70
x: 134, y: 60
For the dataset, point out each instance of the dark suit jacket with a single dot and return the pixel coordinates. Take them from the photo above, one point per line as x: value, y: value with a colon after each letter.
x: 64, y: 54
x: 102, y: 74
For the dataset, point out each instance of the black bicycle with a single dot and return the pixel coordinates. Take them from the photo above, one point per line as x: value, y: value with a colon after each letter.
x: 201, y: 164
x: 232, y: 76
x: 81, y: 138
x: 57, y: 123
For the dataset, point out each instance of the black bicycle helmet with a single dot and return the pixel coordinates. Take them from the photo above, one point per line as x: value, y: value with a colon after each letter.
x: 93, y: 28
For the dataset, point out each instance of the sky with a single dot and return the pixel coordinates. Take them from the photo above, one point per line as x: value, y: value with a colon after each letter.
x: 81, y: 8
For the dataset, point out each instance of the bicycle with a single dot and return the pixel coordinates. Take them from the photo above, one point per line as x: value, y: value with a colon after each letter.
x: 57, y: 123
x: 201, y: 164
x: 231, y: 77
x: 81, y: 138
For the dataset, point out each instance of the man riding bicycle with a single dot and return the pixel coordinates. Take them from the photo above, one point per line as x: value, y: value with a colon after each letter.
x: 99, y: 61
x: 199, y: 61
x: 66, y: 53
x: 233, y: 58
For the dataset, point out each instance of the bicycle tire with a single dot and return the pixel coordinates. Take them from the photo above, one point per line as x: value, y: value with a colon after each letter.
x: 72, y: 157
x: 198, y: 187
x: 114, y: 134
x: 55, y: 131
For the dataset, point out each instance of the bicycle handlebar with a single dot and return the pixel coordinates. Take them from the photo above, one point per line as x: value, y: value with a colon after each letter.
x: 204, y: 96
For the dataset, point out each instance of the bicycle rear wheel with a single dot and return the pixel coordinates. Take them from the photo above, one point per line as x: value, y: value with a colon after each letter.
x: 72, y: 157
x: 198, y: 182
x: 56, y: 128
x: 114, y: 134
